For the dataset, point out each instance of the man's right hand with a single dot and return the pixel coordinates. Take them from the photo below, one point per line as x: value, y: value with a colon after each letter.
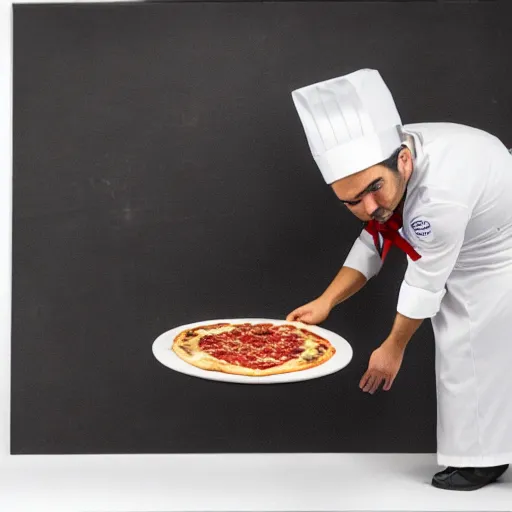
x: 313, y: 312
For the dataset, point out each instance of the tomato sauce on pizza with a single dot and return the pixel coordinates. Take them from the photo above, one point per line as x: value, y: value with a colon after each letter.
x: 252, y: 349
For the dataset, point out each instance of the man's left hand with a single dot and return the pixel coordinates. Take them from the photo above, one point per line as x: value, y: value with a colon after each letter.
x: 383, y: 367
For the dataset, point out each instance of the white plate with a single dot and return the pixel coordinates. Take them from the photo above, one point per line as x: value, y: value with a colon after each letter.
x: 162, y: 351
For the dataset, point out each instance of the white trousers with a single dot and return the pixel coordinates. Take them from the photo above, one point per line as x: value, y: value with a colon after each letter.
x: 473, y: 336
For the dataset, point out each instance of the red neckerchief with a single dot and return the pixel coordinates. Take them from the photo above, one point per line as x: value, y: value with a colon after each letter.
x: 391, y: 236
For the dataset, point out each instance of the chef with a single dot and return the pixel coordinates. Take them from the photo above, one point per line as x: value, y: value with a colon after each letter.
x: 440, y: 192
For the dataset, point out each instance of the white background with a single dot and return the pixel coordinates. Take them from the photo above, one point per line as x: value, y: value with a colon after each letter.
x: 291, y: 482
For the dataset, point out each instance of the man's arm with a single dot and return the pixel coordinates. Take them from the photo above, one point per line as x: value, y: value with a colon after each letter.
x: 347, y: 282
x: 361, y: 264
x: 363, y: 256
x: 403, y: 330
x: 385, y: 361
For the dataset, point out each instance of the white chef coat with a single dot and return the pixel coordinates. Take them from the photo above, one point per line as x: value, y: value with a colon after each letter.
x: 458, y: 216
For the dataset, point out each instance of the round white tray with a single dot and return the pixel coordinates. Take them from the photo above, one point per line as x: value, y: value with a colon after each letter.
x: 163, y: 353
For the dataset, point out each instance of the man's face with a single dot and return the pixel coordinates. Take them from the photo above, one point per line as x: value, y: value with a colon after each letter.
x: 375, y: 192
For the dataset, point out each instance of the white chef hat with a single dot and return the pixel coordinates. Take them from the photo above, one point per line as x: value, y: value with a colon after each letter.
x: 351, y: 122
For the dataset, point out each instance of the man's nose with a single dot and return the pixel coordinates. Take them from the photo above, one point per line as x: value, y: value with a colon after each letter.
x: 369, y: 203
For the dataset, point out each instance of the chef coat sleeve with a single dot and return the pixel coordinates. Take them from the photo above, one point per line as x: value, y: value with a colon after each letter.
x: 437, y: 234
x: 364, y: 256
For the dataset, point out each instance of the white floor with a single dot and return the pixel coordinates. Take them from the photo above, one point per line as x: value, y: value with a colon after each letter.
x: 295, y: 482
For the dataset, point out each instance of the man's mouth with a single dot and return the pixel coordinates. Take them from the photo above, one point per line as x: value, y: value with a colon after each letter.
x: 382, y: 218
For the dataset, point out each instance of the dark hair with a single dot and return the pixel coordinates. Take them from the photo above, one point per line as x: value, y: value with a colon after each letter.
x: 392, y: 161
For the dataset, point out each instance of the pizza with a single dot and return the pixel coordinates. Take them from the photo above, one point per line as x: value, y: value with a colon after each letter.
x: 252, y: 349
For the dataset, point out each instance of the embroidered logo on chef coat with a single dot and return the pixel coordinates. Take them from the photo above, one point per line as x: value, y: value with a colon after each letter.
x: 421, y: 228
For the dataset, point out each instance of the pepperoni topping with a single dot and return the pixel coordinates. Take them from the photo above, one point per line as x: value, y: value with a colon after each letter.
x: 259, y: 346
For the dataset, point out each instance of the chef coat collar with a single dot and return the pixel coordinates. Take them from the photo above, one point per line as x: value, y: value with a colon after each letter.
x: 415, y: 144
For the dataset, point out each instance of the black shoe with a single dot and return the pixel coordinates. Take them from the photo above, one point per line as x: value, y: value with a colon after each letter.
x: 467, y: 479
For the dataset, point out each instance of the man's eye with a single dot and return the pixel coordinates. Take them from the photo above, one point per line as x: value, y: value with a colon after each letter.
x: 375, y: 187
x: 351, y: 203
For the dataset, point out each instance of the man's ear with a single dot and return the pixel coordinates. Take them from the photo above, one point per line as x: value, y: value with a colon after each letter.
x: 405, y: 162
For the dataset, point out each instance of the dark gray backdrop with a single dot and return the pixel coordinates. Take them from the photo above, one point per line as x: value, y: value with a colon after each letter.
x: 162, y: 176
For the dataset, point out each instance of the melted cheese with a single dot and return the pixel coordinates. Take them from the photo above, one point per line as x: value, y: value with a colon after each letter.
x: 214, y: 331
x: 310, y: 344
x: 309, y: 354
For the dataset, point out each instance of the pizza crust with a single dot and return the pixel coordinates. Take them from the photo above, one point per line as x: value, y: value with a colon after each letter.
x: 186, y: 347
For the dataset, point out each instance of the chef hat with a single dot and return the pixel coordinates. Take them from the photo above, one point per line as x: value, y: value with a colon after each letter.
x: 351, y: 122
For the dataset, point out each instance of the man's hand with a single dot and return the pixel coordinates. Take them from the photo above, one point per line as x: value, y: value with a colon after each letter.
x: 383, y: 367
x: 313, y: 312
